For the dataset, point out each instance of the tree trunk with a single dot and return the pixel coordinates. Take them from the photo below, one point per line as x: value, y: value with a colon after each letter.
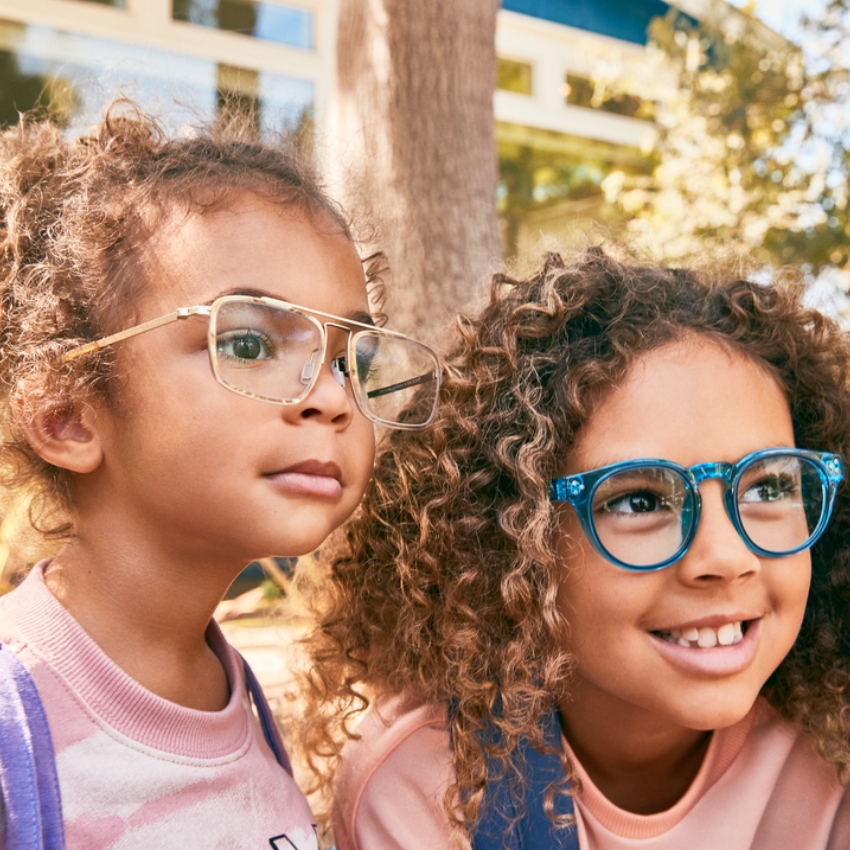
x: 411, y: 148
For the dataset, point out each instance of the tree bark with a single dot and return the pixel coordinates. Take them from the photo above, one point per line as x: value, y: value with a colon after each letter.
x: 411, y: 148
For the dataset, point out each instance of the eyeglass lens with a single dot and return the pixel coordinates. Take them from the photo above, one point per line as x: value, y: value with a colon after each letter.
x: 780, y: 502
x: 271, y: 352
x: 642, y: 516
x: 396, y: 377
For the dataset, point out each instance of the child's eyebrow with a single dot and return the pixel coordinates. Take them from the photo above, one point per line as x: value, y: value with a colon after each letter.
x: 359, y: 316
x: 242, y: 290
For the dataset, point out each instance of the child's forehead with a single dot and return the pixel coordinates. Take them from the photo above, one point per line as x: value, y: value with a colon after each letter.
x: 686, y: 347
x: 248, y: 242
x: 208, y: 215
x: 681, y: 400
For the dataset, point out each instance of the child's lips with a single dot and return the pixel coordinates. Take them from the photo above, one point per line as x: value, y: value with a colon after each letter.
x: 309, y: 478
x: 712, y: 660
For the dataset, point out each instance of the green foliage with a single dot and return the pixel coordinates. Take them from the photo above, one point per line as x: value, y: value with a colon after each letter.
x: 271, y: 590
x: 746, y: 161
x: 827, y: 95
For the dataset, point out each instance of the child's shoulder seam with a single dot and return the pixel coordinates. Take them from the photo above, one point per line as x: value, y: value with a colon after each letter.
x: 395, y: 732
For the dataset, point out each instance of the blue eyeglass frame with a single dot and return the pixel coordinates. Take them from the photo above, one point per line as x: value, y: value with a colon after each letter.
x: 578, y: 490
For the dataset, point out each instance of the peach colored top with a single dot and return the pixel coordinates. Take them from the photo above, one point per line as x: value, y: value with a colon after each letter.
x: 762, y: 786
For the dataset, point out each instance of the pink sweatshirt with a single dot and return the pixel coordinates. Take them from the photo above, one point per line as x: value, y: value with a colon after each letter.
x: 761, y: 786
x: 136, y: 771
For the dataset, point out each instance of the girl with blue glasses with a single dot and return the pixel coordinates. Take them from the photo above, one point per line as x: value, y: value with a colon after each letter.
x: 603, y: 601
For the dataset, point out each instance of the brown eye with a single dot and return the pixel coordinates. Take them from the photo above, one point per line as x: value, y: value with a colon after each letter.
x: 641, y: 503
x: 247, y: 348
x: 244, y: 345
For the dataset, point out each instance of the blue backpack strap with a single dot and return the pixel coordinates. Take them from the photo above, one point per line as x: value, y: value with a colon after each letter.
x: 28, y: 777
x: 534, y: 830
x: 270, y: 731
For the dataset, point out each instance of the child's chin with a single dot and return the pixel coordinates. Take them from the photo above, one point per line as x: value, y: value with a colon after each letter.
x: 720, y: 714
x: 300, y: 547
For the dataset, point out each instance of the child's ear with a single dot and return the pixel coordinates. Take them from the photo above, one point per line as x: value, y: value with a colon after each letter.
x: 65, y: 438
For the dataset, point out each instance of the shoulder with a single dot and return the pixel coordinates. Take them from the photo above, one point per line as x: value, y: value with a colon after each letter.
x: 29, y: 602
x: 806, y: 804
x: 779, y: 747
x: 392, y: 779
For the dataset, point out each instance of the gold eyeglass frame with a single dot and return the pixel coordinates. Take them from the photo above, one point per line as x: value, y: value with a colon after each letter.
x: 349, y: 325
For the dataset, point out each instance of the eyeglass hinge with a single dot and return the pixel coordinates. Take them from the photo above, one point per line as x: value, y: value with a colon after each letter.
x: 835, y: 468
x: 185, y: 312
x: 566, y: 489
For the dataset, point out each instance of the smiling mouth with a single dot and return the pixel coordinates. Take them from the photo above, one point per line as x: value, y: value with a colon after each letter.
x: 706, y: 637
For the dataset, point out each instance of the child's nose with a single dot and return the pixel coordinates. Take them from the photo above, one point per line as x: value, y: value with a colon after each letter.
x: 328, y: 399
x: 718, y: 553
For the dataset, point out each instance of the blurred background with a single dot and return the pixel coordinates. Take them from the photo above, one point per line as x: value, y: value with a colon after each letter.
x: 684, y: 127
x: 473, y: 135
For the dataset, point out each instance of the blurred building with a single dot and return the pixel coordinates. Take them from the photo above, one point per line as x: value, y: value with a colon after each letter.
x: 183, y: 58
x: 559, y: 131
x: 576, y: 99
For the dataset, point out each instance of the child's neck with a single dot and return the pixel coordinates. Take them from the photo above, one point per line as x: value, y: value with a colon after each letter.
x: 645, y: 766
x: 147, y: 613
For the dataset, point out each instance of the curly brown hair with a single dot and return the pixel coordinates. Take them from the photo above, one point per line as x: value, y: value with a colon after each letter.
x: 445, y: 583
x: 75, y: 217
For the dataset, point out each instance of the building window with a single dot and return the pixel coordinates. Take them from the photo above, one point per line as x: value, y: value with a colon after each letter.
x: 578, y: 91
x: 78, y: 76
x: 548, y: 181
x: 513, y: 76
x: 581, y: 91
x: 269, y: 21
x: 238, y: 93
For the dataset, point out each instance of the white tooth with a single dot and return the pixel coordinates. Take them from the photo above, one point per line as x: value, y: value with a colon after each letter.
x: 684, y: 642
x: 726, y: 634
x: 707, y: 638
x: 739, y: 632
x: 676, y: 634
x: 737, y: 639
x: 690, y: 634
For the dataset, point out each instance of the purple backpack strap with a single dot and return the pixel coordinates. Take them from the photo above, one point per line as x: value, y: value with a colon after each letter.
x: 270, y: 731
x: 28, y: 779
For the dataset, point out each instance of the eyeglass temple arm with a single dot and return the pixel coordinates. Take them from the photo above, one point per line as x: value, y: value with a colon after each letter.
x: 96, y: 345
x: 403, y: 385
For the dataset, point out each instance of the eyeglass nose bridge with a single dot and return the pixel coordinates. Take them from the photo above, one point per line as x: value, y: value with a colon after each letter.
x: 703, y: 471
x: 338, y: 364
x: 338, y: 367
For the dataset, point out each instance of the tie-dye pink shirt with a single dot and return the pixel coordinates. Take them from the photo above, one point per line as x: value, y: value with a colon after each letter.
x: 136, y: 771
